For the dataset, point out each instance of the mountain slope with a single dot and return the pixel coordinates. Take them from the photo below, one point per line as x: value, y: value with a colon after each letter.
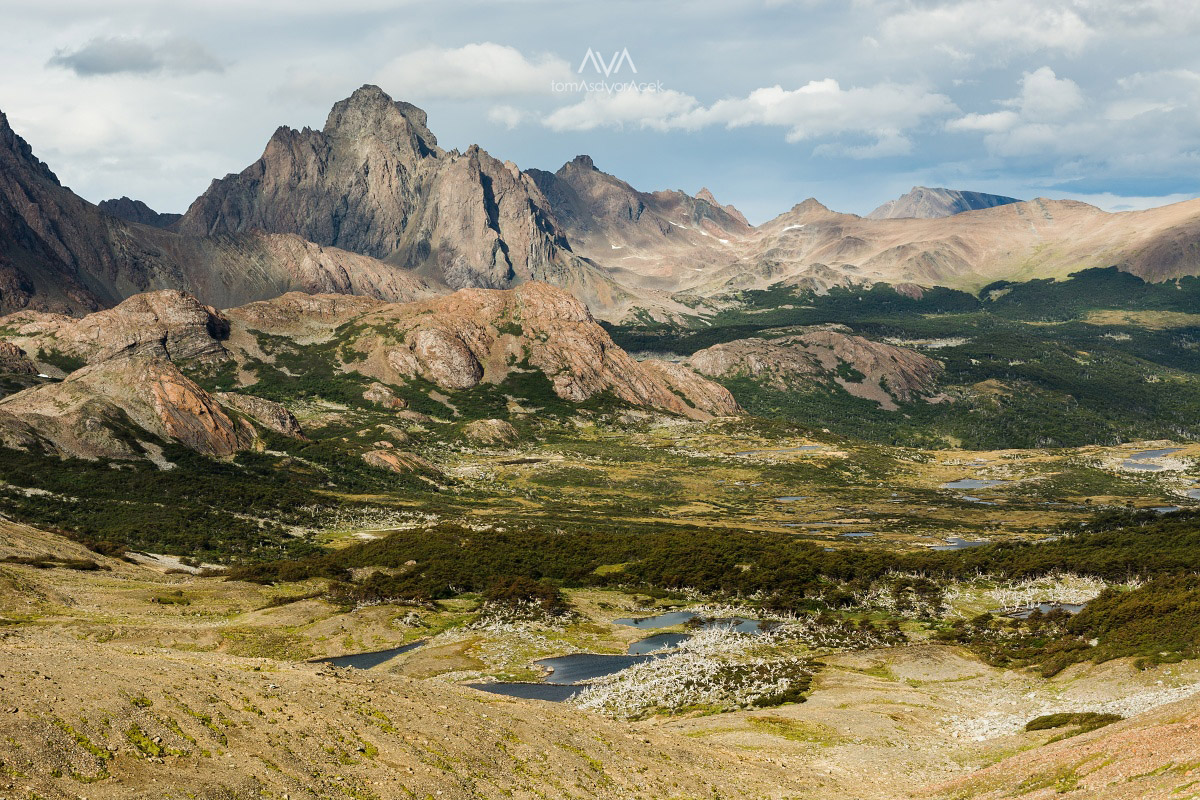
x: 124, y: 386
x: 645, y: 239
x: 60, y: 253
x: 922, y: 202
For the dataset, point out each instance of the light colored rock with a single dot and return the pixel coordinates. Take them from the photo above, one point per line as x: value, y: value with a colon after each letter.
x: 890, y: 373
x: 476, y: 335
x: 91, y: 412
x: 381, y: 395
x: 490, y: 431
x: 399, y: 461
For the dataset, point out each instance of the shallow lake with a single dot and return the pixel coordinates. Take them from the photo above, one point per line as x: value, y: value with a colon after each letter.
x: 1144, y: 454
x: 672, y: 618
x: 551, y: 692
x: 658, y: 641
x: 958, y: 544
x: 368, y: 660
x: 583, y: 667
x: 1045, y: 608
x: 972, y: 483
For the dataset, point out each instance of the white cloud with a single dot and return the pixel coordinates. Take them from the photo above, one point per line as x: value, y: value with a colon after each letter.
x: 824, y: 108
x: 1045, y: 96
x: 508, y: 116
x: 483, y: 70
x: 1143, y: 125
x: 111, y: 55
x: 964, y: 28
x: 819, y: 109
x: 657, y: 110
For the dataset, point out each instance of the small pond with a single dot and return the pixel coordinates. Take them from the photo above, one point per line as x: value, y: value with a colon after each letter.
x: 972, y: 483
x: 658, y: 641
x: 1144, y: 454
x: 958, y: 544
x: 368, y: 660
x: 1138, y: 460
x: 1045, y: 608
x: 799, y: 449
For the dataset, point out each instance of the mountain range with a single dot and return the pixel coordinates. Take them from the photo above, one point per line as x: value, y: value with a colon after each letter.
x: 372, y: 205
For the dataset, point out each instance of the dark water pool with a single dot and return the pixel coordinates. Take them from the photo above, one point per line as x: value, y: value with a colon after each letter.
x: 368, y: 660
x: 958, y: 544
x: 972, y: 483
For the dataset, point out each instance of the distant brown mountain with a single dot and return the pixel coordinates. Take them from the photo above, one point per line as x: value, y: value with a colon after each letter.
x: 922, y: 202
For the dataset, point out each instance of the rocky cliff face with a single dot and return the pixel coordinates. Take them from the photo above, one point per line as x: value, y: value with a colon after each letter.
x: 374, y: 181
x: 880, y: 372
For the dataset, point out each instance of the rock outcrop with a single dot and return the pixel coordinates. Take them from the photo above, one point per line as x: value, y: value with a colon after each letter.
x: 14, y: 360
x: 924, y: 203
x: 399, y: 461
x: 271, y: 415
x: 100, y: 411
x: 169, y: 323
x: 478, y: 335
x: 490, y: 431
x: 875, y: 371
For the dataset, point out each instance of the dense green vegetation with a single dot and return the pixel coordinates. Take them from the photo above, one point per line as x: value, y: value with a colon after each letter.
x: 202, y: 507
x: 1023, y: 365
x: 1158, y: 621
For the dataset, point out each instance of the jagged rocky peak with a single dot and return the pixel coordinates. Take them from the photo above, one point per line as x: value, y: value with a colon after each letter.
x: 13, y: 146
x: 371, y: 112
x: 708, y: 197
x: 374, y: 182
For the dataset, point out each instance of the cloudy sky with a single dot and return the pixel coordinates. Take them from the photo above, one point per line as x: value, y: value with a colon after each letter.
x: 766, y: 102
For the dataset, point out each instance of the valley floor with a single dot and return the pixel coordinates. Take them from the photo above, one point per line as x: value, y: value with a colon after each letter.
x: 136, y: 682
